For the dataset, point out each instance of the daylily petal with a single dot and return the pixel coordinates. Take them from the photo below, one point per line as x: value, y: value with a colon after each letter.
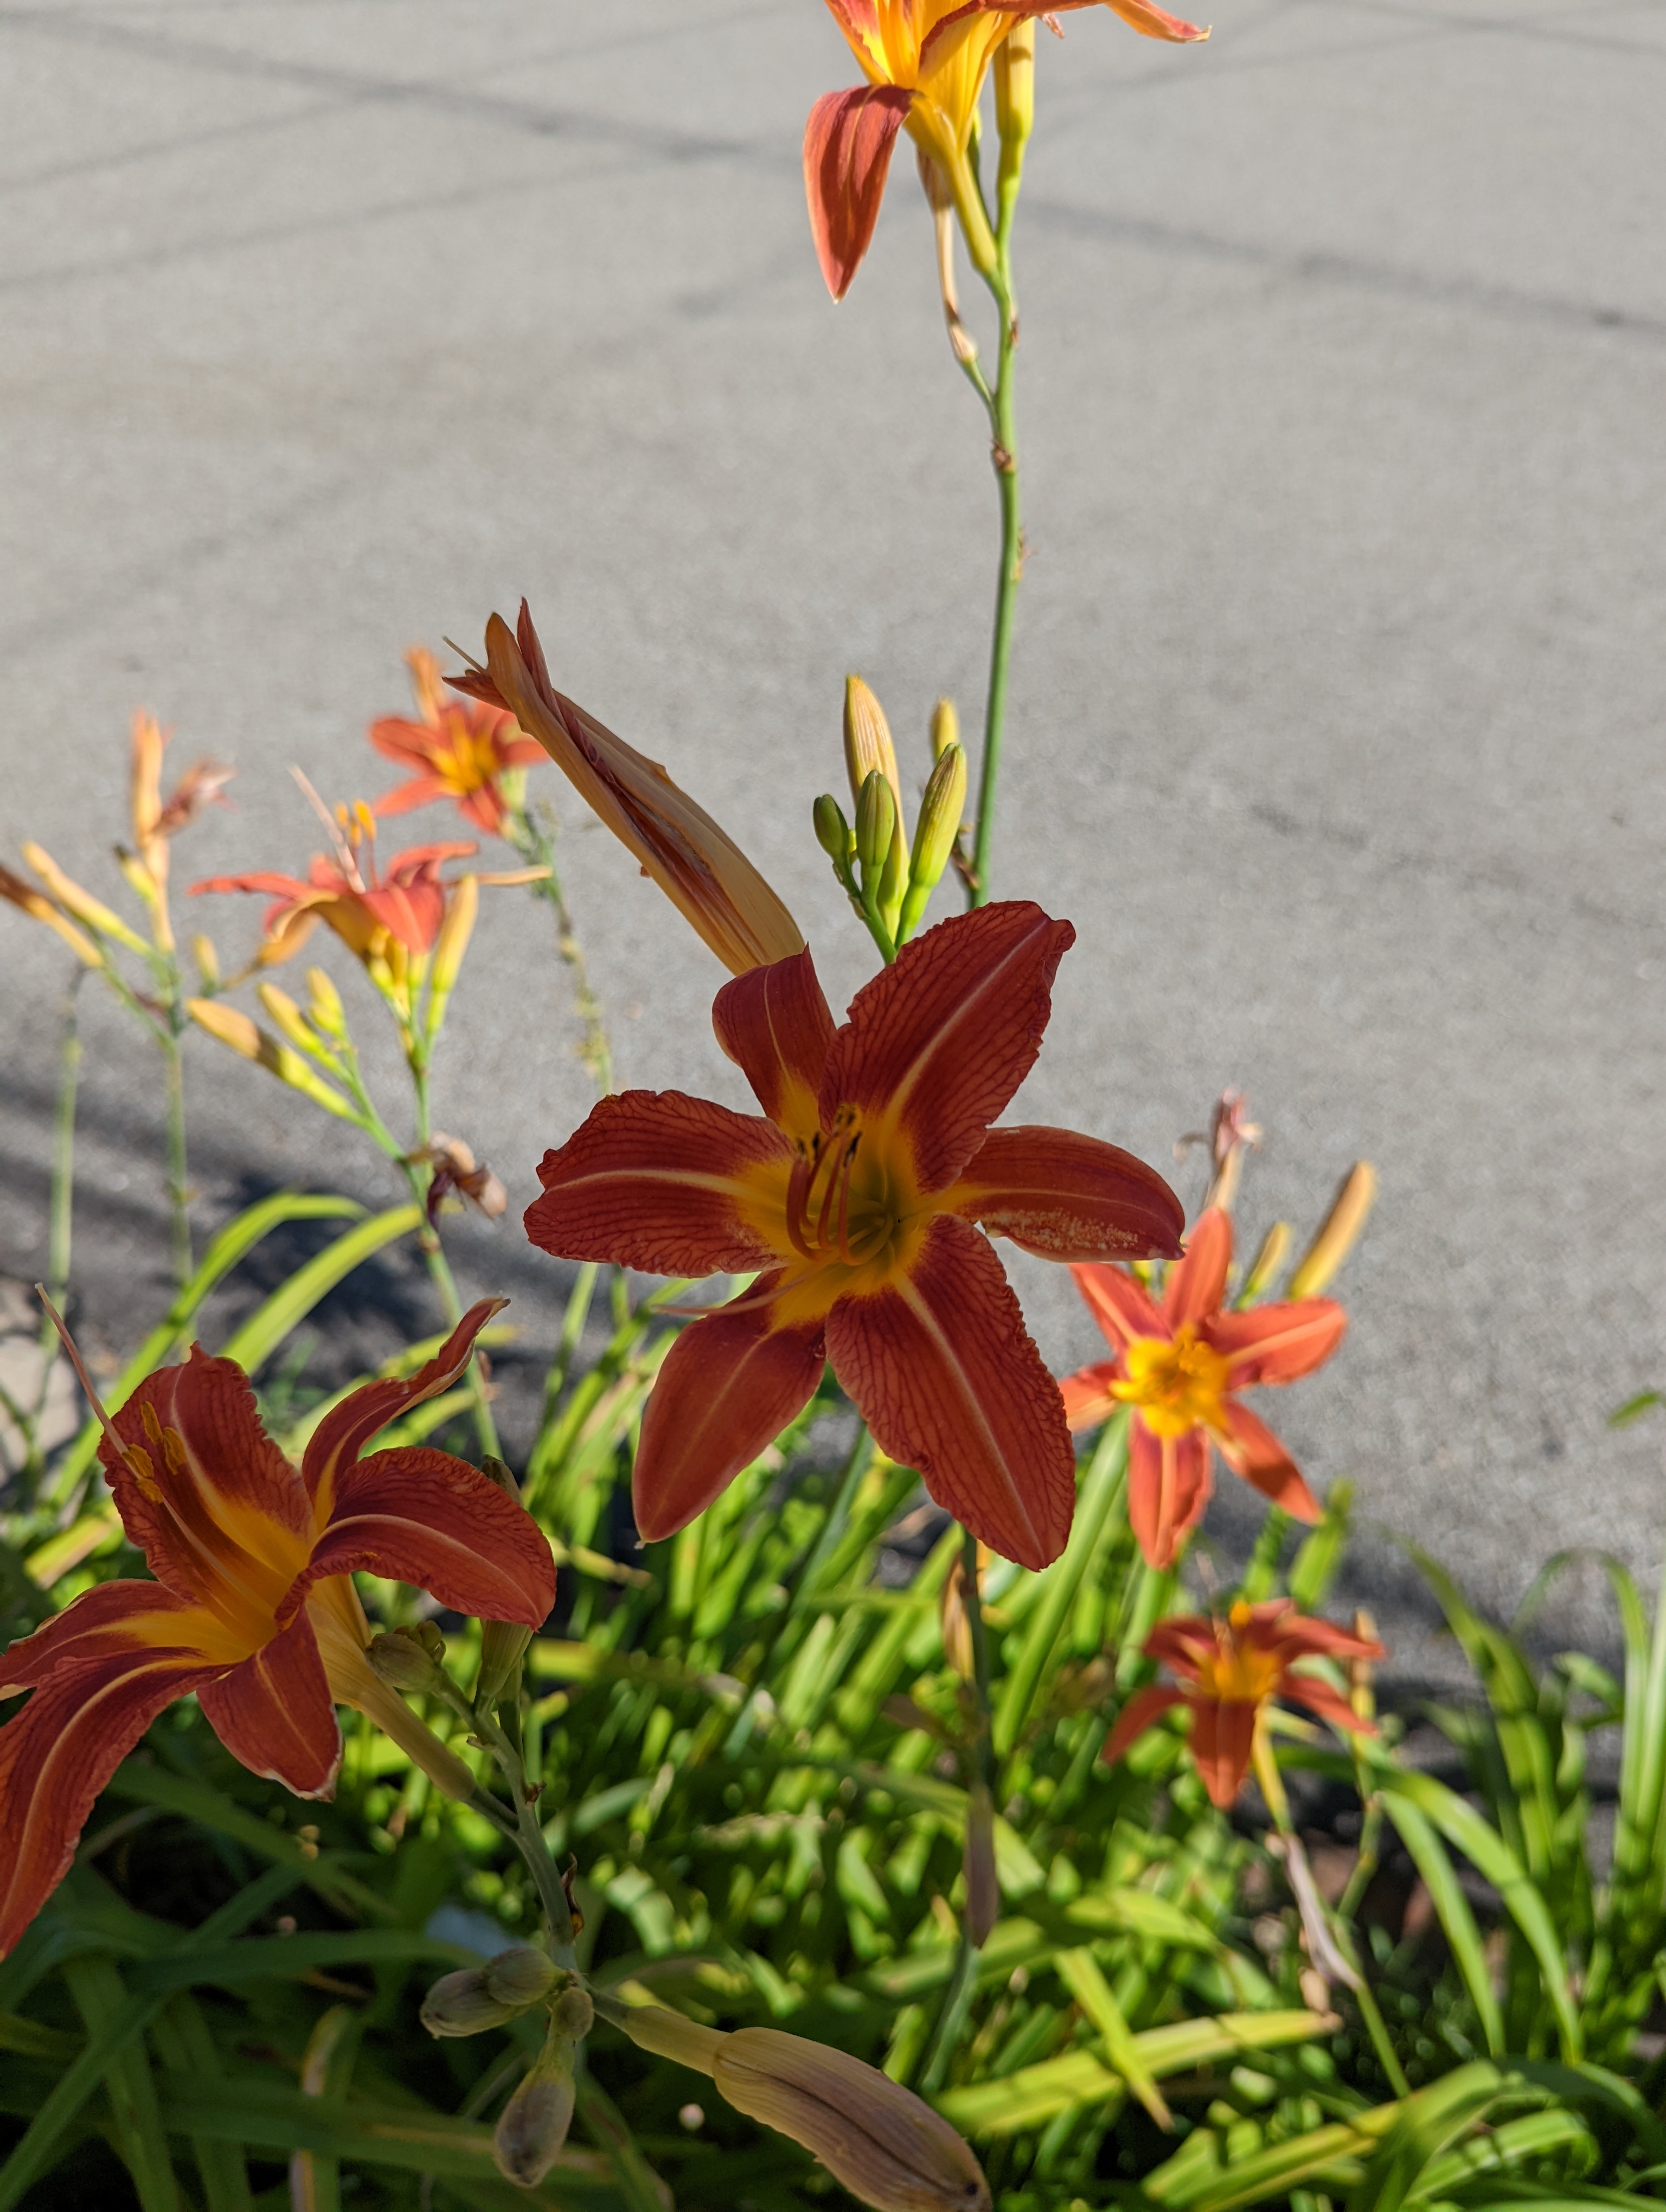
x: 1182, y: 1642
x: 1086, y: 1395
x: 421, y: 791
x: 941, y: 1366
x: 1302, y: 1637
x: 732, y: 1382
x: 1223, y: 1738
x: 420, y: 1516
x: 273, y: 1712
x: 937, y: 1043
x: 1251, y: 1449
x: 1329, y: 1703
x: 1068, y: 1197
x: 1140, y: 16
x: 773, y: 1023
x: 1197, y: 1284
x: 225, y: 1508
x: 1168, y: 1486
x: 345, y: 1431
x: 674, y: 1185
x: 58, y: 1754
x: 1137, y: 1715
x: 1120, y: 1304
x: 848, y: 145
x: 1276, y: 1343
x: 116, y: 1617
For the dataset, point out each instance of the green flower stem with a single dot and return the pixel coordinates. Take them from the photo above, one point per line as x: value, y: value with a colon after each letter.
x: 1003, y: 453
x: 178, y: 1194
x: 529, y: 1834
x: 957, y: 1998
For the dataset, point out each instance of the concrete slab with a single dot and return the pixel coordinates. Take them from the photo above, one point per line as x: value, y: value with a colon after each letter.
x: 1337, y: 709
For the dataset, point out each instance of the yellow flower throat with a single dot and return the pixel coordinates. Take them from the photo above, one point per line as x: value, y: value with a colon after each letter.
x: 1178, y: 1384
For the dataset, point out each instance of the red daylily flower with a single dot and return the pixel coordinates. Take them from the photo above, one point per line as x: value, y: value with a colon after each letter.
x: 856, y: 1198
x: 1234, y: 1667
x: 253, y: 1607
x: 925, y: 62
x: 403, y: 905
x: 1179, y: 1367
x: 460, y: 750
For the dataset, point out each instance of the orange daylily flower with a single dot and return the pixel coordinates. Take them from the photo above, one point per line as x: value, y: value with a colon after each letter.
x: 370, y: 911
x: 253, y: 1607
x: 1179, y: 1367
x: 460, y: 750
x: 704, y: 874
x: 1234, y: 1667
x: 856, y: 1197
x: 925, y: 62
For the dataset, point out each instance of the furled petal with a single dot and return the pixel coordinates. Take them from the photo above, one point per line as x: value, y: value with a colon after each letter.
x: 1223, y: 1738
x: 58, y: 1754
x: 1086, y: 1395
x: 1140, y: 16
x: 941, y: 1367
x: 702, y: 872
x: 1277, y: 1343
x: 201, y: 1489
x: 732, y: 1382
x: 773, y: 1023
x: 274, y: 1712
x: 674, y: 1185
x: 1168, y: 1486
x: 345, y: 1431
x: 1196, y: 1286
x: 1120, y: 1304
x: 1137, y: 1715
x: 848, y: 144
x: 1329, y: 1703
x: 116, y: 1617
x: 937, y: 1043
x: 1251, y: 1449
x: 420, y: 1516
x: 1068, y: 1197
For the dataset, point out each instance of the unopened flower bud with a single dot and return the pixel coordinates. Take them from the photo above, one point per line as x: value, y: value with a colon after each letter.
x: 529, y: 2136
x: 463, y: 2004
x: 81, y: 904
x: 234, y: 1029
x: 499, y: 1472
x: 287, y: 1017
x: 325, y: 1007
x: 521, y: 1976
x: 1014, y: 73
x: 502, y: 1647
x: 876, y: 826
x: 867, y: 743
x: 1267, y: 1263
x: 455, y: 930
x: 405, y: 1660
x: 956, y: 1630
x: 207, y: 961
x: 832, y: 830
x: 945, y: 726
x: 1337, y: 1234
x: 880, y: 2141
x: 935, y: 832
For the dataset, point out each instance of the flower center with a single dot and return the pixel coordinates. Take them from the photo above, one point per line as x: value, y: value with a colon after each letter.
x: 838, y: 1199
x: 470, y: 762
x: 1178, y: 1383
x: 1238, y: 1673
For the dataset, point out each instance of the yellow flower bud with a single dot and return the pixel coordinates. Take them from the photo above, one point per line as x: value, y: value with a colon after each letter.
x: 230, y: 1023
x: 1337, y: 1234
x: 234, y: 1027
x: 455, y: 930
x: 945, y: 726
x: 79, y: 903
x: 208, y: 961
x: 934, y: 833
x: 288, y: 1017
x: 1014, y: 73
x: 324, y: 1007
x: 463, y: 2004
x: 876, y: 827
x: 39, y: 908
x: 1267, y: 1263
x: 880, y: 2141
x: 867, y: 743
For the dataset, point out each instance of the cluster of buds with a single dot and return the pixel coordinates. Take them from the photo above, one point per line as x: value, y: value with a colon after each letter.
x: 887, y: 878
x: 878, y: 2139
x: 532, y: 2128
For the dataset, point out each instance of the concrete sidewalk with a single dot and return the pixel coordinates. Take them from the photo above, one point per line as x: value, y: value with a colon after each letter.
x: 1337, y: 713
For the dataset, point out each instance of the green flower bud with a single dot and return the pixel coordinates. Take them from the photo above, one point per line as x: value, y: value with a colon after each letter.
x: 876, y: 826
x: 832, y: 830
x: 408, y: 1658
x: 502, y: 1647
x: 463, y: 2004
x: 934, y: 835
x: 520, y: 1976
x: 528, y: 2138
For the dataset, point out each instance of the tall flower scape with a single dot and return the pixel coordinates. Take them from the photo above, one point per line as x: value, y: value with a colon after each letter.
x: 803, y: 1750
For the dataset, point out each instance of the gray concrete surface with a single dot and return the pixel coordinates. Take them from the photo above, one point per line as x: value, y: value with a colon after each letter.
x: 328, y: 327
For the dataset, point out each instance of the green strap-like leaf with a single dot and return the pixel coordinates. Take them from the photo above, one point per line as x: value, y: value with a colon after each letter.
x: 270, y: 1321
